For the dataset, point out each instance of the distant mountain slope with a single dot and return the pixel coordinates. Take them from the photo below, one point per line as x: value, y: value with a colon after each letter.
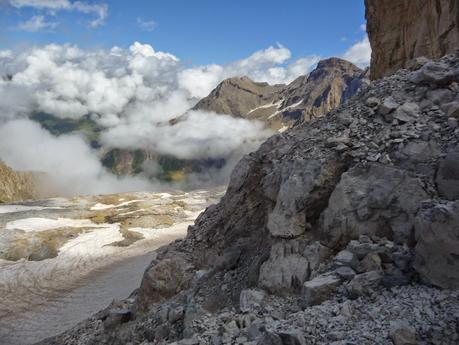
x: 15, y: 185
x: 332, y: 82
x: 239, y: 96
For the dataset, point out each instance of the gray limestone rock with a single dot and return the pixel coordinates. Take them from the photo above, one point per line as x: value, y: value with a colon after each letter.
x: 388, y: 106
x: 448, y: 176
x: 364, y: 284
x: 407, y: 112
x: 346, y: 258
x: 435, y: 73
x: 250, y: 299
x: 402, y: 334
x: 390, y: 196
x: 284, y: 271
x: 320, y: 289
x: 437, y: 248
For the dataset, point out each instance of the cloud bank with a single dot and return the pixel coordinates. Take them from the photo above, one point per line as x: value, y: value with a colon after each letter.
x: 134, y: 96
x: 137, y: 97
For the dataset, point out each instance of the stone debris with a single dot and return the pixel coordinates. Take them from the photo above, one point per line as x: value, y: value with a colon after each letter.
x: 341, y: 240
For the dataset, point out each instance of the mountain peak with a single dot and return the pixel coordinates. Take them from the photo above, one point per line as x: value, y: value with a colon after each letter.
x: 338, y: 63
x: 332, y: 82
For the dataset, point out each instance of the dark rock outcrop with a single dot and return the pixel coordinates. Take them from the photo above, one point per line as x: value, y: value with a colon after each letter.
x: 402, y: 30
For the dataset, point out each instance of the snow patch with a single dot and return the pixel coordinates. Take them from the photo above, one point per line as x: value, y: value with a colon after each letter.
x: 100, y: 207
x: 22, y: 208
x: 293, y: 105
x: 270, y: 105
x: 42, y: 224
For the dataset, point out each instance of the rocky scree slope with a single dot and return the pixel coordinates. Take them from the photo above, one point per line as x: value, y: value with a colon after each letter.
x: 340, y: 231
x: 401, y: 30
x: 15, y: 186
x: 330, y: 84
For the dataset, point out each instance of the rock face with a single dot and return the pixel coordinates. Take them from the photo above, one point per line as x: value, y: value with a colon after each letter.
x: 165, y: 279
x: 403, y: 30
x: 375, y: 201
x: 339, y: 206
x: 239, y: 96
x: 15, y: 186
x: 332, y: 82
x: 437, y: 249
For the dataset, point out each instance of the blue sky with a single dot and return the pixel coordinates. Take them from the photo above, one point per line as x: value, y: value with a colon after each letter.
x: 198, y: 32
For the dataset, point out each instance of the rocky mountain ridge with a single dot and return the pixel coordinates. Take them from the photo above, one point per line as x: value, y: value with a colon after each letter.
x: 331, y: 212
x: 330, y: 84
x: 16, y: 185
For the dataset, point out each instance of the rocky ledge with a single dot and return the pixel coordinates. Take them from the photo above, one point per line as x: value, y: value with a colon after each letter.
x: 341, y: 230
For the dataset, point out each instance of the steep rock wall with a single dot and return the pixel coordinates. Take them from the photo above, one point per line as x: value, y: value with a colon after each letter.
x: 401, y: 30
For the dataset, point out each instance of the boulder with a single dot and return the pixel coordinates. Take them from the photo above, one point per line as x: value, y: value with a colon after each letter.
x: 292, y: 338
x: 345, y: 272
x: 304, y: 189
x: 440, y: 96
x: 390, y: 197
x: 437, y: 248
x: 320, y: 289
x: 448, y: 176
x: 269, y: 338
x: 284, y: 271
x: 451, y: 109
x: 164, y: 279
x: 434, y: 73
x: 316, y: 253
x: 388, y: 106
x: 452, y: 122
x: 402, y: 333
x: 407, y: 112
x: 364, y: 284
x: 359, y: 249
x: 288, y: 218
x: 371, y: 262
x: 346, y: 258
x: 372, y: 102
x: 250, y: 299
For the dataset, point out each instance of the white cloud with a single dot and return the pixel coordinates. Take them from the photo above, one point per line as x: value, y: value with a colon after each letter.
x: 363, y: 27
x: 146, y: 25
x: 359, y: 53
x: 37, y: 23
x: 72, y: 167
x: 266, y: 65
x: 6, y: 53
x: 51, y: 4
x: 197, y: 135
x: 99, y: 10
x: 132, y: 94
